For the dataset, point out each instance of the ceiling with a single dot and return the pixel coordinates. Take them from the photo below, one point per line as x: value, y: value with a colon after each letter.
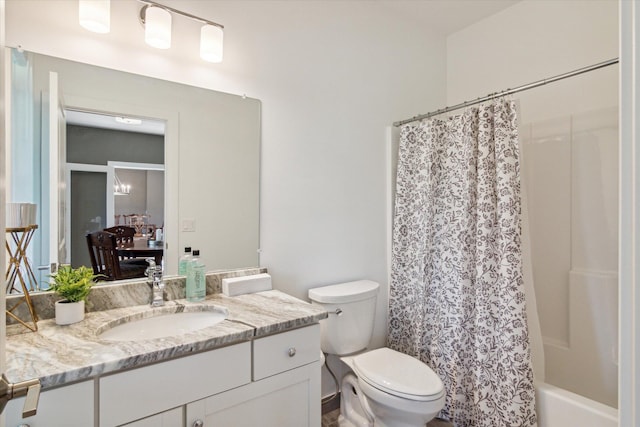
x: 447, y: 16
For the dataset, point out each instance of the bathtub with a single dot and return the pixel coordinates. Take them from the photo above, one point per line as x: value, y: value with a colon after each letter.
x: 561, y: 408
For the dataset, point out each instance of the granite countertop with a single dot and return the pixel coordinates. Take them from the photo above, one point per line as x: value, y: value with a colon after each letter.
x: 58, y: 355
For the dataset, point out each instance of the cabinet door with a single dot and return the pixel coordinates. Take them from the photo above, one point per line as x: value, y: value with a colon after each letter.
x: 171, y: 418
x: 290, y: 399
x: 69, y: 406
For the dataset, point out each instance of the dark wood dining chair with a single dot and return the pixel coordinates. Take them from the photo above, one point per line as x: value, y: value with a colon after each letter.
x: 103, y: 251
x: 124, y: 234
x: 124, y: 237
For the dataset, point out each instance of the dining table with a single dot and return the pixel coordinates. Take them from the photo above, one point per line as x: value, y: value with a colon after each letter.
x: 142, y: 248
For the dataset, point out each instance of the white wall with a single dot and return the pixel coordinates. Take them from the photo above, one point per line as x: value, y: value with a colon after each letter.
x: 4, y: 136
x: 629, y: 217
x: 530, y: 41
x: 331, y: 76
x: 527, y: 42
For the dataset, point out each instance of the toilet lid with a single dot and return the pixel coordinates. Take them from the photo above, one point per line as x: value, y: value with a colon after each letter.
x: 398, y: 374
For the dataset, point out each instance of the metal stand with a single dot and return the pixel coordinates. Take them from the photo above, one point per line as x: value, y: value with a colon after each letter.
x: 21, y: 237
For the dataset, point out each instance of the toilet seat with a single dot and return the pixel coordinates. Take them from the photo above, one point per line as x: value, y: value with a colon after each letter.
x: 398, y: 374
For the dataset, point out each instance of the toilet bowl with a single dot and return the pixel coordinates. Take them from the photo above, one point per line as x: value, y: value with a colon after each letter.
x: 398, y: 390
x: 386, y: 388
x: 354, y: 408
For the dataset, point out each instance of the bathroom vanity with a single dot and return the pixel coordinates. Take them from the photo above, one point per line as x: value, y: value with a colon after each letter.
x: 259, y: 366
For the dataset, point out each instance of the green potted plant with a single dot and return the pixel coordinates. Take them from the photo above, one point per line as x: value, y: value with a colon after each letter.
x: 73, y: 285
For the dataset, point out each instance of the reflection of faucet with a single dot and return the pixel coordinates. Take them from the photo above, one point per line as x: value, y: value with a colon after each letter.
x: 154, y: 280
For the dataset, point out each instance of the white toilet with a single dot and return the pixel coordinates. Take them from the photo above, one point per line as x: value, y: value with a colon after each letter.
x: 389, y: 389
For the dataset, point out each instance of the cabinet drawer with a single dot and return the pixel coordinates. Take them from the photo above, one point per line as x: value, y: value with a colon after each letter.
x: 288, y: 350
x: 149, y: 390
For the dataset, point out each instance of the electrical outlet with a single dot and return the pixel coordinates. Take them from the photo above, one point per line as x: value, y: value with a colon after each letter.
x: 188, y: 225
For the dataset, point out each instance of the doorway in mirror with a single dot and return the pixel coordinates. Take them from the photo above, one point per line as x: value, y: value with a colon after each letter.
x: 115, y: 170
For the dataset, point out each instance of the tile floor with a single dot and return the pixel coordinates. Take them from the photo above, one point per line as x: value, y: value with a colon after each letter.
x: 330, y: 419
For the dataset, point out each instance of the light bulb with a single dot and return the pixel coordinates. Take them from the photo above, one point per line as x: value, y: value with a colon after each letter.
x: 211, y: 43
x: 95, y: 15
x: 157, y: 24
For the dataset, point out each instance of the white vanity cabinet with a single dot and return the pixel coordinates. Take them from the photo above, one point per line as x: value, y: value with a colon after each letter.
x: 285, y: 391
x: 68, y: 406
x: 272, y: 381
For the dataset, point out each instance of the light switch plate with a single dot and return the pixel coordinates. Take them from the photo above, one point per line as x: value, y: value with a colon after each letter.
x: 188, y: 224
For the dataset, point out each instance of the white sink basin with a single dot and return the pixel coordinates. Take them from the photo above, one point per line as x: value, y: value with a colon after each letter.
x: 162, y: 325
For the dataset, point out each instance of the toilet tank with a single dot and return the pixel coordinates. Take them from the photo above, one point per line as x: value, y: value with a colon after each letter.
x: 352, y: 309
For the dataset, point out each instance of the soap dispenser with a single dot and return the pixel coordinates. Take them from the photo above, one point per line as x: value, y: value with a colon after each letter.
x: 184, y: 261
x: 196, y: 281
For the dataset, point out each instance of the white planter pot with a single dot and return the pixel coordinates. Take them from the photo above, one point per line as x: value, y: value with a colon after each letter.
x: 69, y: 312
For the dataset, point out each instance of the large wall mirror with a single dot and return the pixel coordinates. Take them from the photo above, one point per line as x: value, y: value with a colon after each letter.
x: 93, y: 148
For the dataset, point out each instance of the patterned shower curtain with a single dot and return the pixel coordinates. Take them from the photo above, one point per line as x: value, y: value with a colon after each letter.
x: 457, y: 298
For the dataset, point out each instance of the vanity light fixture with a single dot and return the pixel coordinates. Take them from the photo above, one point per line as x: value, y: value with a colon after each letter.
x: 95, y: 15
x: 156, y: 19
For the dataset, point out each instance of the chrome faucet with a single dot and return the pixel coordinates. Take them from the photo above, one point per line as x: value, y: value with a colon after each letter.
x: 154, y: 280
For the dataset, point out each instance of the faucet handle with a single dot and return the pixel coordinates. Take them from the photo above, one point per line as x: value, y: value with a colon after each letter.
x: 153, y: 271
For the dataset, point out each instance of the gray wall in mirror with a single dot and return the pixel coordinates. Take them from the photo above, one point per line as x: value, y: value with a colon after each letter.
x: 96, y: 146
x: 88, y: 206
x: 212, y: 154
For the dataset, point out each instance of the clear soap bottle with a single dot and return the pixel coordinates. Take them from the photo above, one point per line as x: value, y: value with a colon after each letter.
x: 196, y: 283
x: 184, y: 261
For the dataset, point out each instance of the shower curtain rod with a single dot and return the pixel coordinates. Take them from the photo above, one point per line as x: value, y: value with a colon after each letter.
x: 509, y: 91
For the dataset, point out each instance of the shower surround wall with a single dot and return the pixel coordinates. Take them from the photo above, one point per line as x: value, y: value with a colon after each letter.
x: 570, y: 176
